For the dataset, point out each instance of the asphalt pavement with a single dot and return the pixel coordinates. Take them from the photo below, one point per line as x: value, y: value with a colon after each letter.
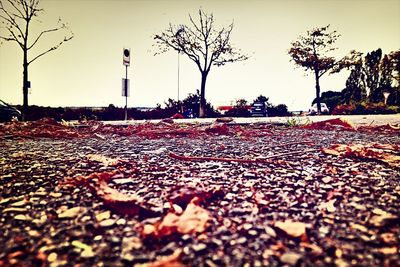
x: 357, y: 120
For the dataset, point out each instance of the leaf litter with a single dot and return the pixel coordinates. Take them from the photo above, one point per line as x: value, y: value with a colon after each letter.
x: 190, y: 213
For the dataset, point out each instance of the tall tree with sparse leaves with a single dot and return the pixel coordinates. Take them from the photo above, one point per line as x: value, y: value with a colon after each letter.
x: 203, y: 43
x: 372, y: 75
x: 311, y: 52
x: 17, y: 17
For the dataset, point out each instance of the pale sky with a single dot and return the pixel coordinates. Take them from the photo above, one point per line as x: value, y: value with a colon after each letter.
x: 87, y: 70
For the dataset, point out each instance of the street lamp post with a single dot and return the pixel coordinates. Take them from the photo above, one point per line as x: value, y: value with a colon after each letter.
x: 125, y: 82
x: 178, y: 75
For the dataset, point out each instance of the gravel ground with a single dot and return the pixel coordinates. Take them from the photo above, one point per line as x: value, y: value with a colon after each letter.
x: 302, y: 208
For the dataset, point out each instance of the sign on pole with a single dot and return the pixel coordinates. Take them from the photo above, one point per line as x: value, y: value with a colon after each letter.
x: 125, y: 87
x: 126, y: 56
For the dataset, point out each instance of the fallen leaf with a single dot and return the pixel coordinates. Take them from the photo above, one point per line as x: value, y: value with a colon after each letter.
x: 194, y: 219
x: 332, y: 124
x: 220, y: 129
x: 380, y: 152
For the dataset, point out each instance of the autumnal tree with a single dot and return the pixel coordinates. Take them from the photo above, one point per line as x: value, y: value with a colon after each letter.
x: 311, y: 52
x: 371, y: 75
x: 203, y: 43
x: 16, y: 17
x: 355, y: 90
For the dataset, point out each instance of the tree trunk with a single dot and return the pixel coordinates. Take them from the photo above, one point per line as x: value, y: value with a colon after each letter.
x: 25, y: 86
x: 317, y: 91
x: 202, y: 111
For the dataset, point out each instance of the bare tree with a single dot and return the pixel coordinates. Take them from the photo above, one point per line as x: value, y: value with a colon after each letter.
x: 311, y: 52
x: 16, y: 17
x: 203, y: 44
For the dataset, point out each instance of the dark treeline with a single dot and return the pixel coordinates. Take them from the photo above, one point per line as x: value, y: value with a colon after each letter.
x: 171, y: 107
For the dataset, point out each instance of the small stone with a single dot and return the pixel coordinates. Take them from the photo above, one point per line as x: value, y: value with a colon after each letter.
x: 115, y: 240
x: 270, y: 231
x: 199, y: 247
x: 290, y: 258
x: 326, y: 179
x: 131, y: 243
x: 16, y: 210
x: 341, y: 263
x: 291, y: 228
x: 122, y: 181
x: 87, y: 253
x: 103, y: 216
x: 107, y: 223
x: 249, y: 175
x: 21, y: 217
x: 252, y: 232
x: 178, y: 210
x: 127, y: 256
x: 97, y: 238
x: 34, y: 233
x: 41, y: 220
x: 248, y: 194
x: 5, y: 200
x: 52, y: 257
x: 121, y: 221
x: 247, y: 226
x: 167, y: 205
x: 241, y: 240
x: 19, y: 203
x: 71, y: 213
x: 55, y: 194
x: 388, y: 250
x: 86, y: 218
x: 229, y: 196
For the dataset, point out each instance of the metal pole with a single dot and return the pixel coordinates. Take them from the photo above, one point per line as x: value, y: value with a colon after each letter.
x: 178, y: 76
x: 126, y: 92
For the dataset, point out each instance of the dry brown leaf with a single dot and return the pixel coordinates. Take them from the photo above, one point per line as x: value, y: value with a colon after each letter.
x: 381, y: 152
x: 193, y: 220
x: 332, y: 124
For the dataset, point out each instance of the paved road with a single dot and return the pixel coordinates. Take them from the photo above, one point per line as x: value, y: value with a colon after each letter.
x: 357, y: 120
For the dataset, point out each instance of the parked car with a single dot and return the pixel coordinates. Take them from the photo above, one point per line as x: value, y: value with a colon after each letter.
x: 259, y: 109
x: 7, y: 112
x: 314, y: 110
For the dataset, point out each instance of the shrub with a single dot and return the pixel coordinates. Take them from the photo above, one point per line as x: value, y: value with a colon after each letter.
x: 344, y: 109
x: 364, y: 108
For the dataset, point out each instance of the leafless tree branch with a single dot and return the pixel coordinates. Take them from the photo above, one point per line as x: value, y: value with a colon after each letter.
x: 51, y: 49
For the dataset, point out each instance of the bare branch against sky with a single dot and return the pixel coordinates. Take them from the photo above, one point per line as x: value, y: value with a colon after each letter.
x: 88, y: 71
x: 17, y: 17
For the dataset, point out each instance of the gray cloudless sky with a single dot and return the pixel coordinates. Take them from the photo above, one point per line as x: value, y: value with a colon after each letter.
x: 87, y: 70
